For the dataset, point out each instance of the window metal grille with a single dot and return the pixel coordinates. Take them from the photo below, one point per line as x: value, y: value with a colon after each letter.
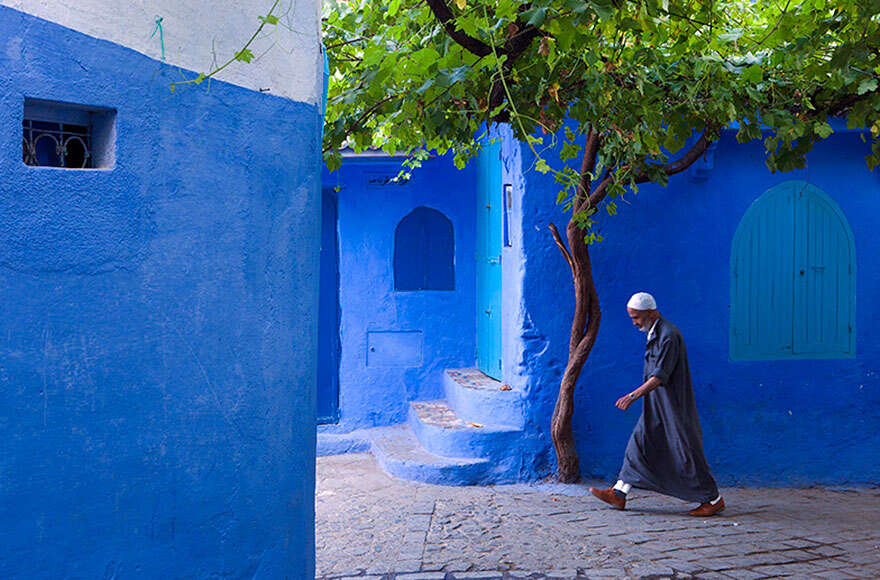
x: 52, y: 144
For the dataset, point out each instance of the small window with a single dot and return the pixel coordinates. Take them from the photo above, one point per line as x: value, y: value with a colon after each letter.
x: 67, y: 135
x: 424, y: 252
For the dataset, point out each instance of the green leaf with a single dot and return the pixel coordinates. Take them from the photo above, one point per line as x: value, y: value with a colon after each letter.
x: 536, y: 17
x: 866, y: 86
x: 569, y: 151
x: 269, y: 19
x: 753, y: 74
x: 244, y: 55
x: 603, y: 8
x: 823, y: 130
x: 541, y: 166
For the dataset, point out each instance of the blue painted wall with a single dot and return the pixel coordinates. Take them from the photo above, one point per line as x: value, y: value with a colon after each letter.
x: 158, y: 333
x: 376, y: 387
x: 796, y: 422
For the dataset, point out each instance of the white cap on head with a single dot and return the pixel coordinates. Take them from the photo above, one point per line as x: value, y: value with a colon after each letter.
x: 642, y: 301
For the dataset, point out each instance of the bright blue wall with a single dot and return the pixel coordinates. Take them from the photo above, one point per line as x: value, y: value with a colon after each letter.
x: 376, y: 391
x: 770, y: 422
x: 158, y: 328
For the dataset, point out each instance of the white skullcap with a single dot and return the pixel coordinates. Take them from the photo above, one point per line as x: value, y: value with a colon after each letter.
x: 642, y: 301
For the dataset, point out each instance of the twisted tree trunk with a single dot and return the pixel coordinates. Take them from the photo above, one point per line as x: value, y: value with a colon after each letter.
x: 584, y: 329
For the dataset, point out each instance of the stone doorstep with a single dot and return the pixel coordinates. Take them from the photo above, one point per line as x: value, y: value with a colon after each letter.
x: 439, y: 413
x: 473, y: 378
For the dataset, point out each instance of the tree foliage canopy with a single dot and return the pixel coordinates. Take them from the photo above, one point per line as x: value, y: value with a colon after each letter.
x: 647, y: 76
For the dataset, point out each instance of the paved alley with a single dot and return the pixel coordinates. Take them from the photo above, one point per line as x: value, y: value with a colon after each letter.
x: 370, y: 525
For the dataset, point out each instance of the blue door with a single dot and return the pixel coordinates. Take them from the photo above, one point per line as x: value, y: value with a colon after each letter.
x: 328, y: 313
x: 490, y: 212
x: 793, y: 278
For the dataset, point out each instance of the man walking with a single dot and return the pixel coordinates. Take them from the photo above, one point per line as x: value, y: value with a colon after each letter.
x: 665, y: 450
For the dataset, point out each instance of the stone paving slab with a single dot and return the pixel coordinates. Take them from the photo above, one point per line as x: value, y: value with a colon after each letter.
x: 373, y: 526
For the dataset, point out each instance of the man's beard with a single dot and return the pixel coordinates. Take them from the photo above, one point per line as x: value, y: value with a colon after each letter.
x: 644, y: 327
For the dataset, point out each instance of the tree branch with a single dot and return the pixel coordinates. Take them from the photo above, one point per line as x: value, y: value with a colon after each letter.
x: 447, y: 19
x: 582, y: 277
x: 519, y: 42
x: 588, y: 163
x: 669, y: 169
x: 684, y: 161
x: 561, y: 245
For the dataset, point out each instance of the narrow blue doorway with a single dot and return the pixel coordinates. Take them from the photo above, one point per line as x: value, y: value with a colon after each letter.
x: 490, y: 223
x: 328, y: 312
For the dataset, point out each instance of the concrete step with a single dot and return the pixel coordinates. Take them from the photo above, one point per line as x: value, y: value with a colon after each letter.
x: 478, y: 398
x: 440, y: 431
x: 358, y: 441
x: 399, y: 454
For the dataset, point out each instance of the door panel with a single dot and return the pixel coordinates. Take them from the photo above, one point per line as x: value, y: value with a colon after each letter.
x: 763, y: 271
x: 489, y: 241
x: 823, y: 279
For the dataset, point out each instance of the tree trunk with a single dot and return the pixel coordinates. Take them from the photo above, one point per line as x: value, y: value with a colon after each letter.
x: 585, y: 326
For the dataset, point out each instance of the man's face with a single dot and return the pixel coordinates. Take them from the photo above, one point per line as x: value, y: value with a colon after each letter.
x: 642, y: 319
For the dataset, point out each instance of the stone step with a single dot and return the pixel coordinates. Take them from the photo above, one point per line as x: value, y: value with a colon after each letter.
x: 399, y: 454
x: 440, y: 431
x: 478, y: 398
x: 358, y: 441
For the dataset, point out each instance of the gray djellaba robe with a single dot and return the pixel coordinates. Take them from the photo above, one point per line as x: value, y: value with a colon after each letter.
x: 665, y: 450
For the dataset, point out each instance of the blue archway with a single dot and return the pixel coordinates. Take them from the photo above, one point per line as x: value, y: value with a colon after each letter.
x: 793, y: 278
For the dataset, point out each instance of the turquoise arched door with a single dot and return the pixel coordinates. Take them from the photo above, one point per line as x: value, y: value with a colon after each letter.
x: 793, y: 278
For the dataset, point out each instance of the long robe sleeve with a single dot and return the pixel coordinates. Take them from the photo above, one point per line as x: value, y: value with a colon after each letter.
x: 667, y: 358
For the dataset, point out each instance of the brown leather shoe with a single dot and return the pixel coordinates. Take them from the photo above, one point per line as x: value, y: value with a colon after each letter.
x: 610, y: 497
x: 707, y: 509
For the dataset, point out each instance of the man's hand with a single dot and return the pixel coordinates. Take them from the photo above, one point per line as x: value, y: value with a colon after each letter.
x: 624, y: 402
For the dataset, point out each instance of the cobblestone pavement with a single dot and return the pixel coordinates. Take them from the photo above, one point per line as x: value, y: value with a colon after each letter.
x: 373, y: 526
